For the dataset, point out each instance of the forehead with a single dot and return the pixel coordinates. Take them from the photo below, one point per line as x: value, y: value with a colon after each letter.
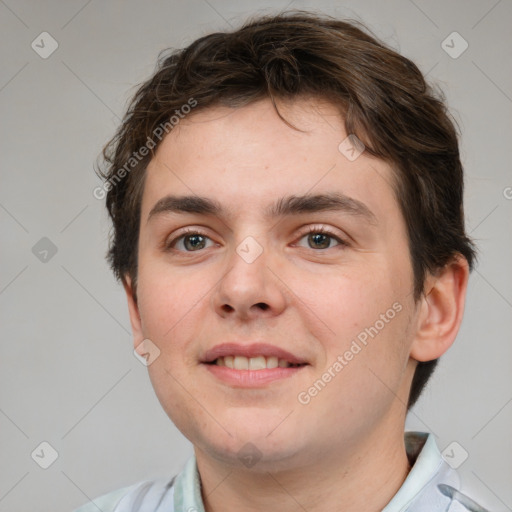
x: 246, y: 159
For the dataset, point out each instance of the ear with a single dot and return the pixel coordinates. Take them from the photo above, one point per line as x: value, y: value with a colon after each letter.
x: 441, y: 310
x: 133, y: 310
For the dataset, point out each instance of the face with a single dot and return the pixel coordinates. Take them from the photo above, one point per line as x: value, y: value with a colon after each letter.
x: 328, y: 283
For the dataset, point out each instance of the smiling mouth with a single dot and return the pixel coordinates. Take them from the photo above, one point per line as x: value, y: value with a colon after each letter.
x: 253, y: 363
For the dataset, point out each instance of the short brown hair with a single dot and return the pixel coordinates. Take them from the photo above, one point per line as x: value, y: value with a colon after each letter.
x: 382, y: 96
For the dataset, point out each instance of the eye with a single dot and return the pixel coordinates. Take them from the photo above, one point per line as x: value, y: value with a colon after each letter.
x: 319, y: 237
x: 193, y: 240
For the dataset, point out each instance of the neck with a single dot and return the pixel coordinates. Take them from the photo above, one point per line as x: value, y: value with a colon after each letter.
x: 364, y: 477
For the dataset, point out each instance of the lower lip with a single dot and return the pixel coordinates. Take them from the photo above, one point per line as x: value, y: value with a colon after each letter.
x: 251, y: 378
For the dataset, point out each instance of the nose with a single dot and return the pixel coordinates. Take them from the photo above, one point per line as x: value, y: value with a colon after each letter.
x: 249, y: 288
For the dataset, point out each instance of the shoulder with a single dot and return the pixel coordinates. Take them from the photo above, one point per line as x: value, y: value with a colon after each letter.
x: 149, y: 493
x: 107, y: 502
x: 433, y: 484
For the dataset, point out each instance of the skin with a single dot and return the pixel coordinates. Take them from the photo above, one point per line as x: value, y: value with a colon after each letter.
x: 346, y: 445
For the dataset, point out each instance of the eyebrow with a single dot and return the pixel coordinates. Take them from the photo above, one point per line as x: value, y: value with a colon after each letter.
x: 284, y: 206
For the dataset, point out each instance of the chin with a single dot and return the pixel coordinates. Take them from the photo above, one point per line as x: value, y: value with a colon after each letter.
x: 259, y: 456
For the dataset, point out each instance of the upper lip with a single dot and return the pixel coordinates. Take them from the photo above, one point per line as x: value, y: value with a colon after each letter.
x: 250, y: 350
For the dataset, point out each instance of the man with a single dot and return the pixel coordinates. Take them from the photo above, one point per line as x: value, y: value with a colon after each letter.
x: 289, y: 230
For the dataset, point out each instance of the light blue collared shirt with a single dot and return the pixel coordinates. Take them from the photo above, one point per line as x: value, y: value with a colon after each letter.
x: 431, y: 486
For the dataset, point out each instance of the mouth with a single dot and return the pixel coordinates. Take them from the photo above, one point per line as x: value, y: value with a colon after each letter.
x: 256, y: 365
x: 261, y: 362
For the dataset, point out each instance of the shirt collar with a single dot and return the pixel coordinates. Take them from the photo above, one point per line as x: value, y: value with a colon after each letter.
x: 187, y: 488
x: 428, y: 467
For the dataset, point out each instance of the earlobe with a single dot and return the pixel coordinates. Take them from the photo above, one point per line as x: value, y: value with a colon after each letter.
x: 133, y: 310
x: 441, y: 310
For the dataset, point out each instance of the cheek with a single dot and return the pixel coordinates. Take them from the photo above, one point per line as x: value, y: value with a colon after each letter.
x: 169, y: 306
x: 175, y: 309
x: 368, y: 321
x: 165, y: 298
x: 353, y: 301
x: 364, y: 366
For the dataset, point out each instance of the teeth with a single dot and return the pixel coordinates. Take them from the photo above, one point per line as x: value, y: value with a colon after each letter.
x: 257, y: 363
x: 252, y: 363
x: 272, y: 362
x: 241, y: 363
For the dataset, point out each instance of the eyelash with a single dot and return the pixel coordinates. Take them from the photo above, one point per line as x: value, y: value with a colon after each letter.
x: 168, y: 245
x: 323, y: 231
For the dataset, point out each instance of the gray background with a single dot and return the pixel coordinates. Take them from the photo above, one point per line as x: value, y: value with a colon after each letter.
x: 67, y: 372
